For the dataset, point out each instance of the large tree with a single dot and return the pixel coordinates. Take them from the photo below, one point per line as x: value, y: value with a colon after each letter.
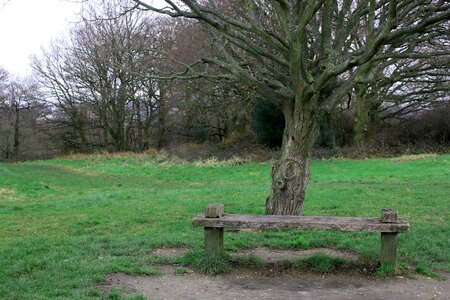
x: 303, y: 56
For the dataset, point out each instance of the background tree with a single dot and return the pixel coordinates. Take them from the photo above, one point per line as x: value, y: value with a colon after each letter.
x: 204, y: 109
x: 20, y: 111
x: 98, y: 80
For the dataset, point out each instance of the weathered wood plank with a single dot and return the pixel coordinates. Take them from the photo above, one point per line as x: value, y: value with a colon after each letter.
x: 301, y: 223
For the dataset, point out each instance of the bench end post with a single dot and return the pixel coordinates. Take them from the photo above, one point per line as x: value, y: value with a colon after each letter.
x: 389, y: 239
x: 214, y: 236
x: 214, y: 211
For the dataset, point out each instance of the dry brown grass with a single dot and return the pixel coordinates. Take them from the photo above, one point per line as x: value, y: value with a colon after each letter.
x: 7, y: 192
x: 99, y: 154
x: 406, y: 158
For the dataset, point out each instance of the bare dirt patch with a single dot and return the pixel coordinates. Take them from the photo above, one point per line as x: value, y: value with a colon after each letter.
x: 251, y: 284
x: 266, y: 254
x: 170, y: 252
x: 273, y: 255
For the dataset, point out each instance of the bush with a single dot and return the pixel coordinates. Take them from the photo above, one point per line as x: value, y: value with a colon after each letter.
x: 267, y: 123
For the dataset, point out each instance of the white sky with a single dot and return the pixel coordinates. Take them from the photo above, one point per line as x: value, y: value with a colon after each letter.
x: 26, y: 25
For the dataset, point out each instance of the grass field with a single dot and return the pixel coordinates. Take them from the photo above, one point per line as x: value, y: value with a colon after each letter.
x: 66, y: 223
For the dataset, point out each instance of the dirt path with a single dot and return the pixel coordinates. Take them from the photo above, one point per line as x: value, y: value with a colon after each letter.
x: 250, y: 283
x: 243, y: 284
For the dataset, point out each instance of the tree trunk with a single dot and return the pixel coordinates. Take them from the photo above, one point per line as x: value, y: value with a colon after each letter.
x: 372, y: 125
x: 366, y: 118
x: 139, y: 143
x: 16, y: 146
x: 79, y: 125
x: 327, y: 135
x: 290, y: 174
x: 161, y: 117
x: 360, y: 120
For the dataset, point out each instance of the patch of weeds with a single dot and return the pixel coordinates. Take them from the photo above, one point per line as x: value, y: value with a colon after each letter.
x: 250, y: 259
x: 138, y: 297
x: 422, y: 270
x: 301, y: 242
x: 113, y: 295
x: 133, y: 268
x: 118, y: 294
x: 165, y: 260
x: 320, y: 263
x: 385, y: 270
x: 402, y: 268
x: 317, y: 263
x: 212, y: 263
x: 181, y: 271
x: 190, y: 257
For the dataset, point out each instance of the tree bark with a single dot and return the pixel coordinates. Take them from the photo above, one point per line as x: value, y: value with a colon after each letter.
x: 360, y: 119
x: 161, y: 117
x: 16, y: 146
x: 290, y: 175
x: 372, y: 125
x: 366, y: 117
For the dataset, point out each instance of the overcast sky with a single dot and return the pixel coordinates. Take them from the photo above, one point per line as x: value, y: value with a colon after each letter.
x: 26, y: 25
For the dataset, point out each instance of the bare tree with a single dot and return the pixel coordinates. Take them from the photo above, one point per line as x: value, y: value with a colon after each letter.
x: 19, y: 111
x: 99, y: 79
x: 70, y: 116
x: 303, y: 56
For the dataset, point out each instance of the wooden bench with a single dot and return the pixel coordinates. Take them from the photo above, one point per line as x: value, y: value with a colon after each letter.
x: 214, y: 221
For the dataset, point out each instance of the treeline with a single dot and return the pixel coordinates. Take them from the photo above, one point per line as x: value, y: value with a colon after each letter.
x: 123, y: 80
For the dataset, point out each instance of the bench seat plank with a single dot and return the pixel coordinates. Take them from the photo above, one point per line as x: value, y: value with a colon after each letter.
x: 301, y: 223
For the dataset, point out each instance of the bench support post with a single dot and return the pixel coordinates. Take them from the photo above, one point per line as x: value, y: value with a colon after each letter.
x: 213, y: 239
x: 214, y: 236
x: 389, y: 239
x: 389, y: 248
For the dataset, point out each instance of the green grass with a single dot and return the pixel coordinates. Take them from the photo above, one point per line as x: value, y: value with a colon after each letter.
x: 211, y: 263
x: 181, y: 271
x: 318, y: 263
x: 65, y: 224
x: 385, y: 270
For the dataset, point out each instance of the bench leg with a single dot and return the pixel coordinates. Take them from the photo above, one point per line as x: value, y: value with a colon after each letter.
x: 389, y: 248
x: 213, y: 239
